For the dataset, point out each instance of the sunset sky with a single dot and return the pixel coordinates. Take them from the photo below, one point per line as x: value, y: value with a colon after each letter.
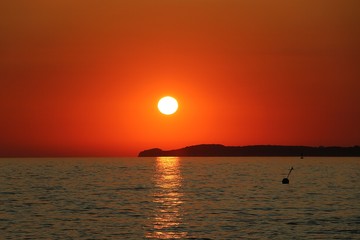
x: 83, y: 78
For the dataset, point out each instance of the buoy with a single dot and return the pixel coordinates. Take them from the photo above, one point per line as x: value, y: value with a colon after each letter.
x: 286, y: 180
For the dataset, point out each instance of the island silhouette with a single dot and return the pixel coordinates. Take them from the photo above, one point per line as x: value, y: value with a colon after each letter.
x: 219, y: 150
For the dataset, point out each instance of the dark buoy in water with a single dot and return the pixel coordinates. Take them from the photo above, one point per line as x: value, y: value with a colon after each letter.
x: 286, y: 180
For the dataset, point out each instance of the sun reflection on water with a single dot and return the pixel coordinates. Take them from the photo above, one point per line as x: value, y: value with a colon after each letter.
x: 167, y: 219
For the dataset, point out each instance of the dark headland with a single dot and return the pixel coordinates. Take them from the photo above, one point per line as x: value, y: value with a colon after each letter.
x: 218, y: 150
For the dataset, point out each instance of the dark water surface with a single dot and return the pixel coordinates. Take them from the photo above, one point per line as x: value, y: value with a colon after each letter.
x: 179, y: 198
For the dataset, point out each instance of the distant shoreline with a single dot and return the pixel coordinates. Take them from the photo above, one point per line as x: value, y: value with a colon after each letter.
x: 218, y: 150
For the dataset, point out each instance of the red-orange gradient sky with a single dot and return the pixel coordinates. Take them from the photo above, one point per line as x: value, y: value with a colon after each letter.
x: 82, y: 78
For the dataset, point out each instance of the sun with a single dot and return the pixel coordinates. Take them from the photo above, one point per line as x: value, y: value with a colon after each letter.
x: 168, y: 105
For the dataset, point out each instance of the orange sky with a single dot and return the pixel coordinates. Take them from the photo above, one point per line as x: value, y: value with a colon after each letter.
x: 82, y: 78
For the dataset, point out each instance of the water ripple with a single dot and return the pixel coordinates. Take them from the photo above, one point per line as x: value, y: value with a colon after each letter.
x: 179, y: 198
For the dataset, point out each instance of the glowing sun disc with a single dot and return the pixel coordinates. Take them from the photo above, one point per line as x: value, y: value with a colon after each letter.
x: 167, y: 105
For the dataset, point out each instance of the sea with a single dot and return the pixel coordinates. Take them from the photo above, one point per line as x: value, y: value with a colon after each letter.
x: 180, y: 198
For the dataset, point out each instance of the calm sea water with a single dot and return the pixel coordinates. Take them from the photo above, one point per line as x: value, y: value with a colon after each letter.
x: 179, y: 198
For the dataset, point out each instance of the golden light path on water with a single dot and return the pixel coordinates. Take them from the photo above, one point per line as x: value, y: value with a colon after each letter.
x: 167, y: 218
